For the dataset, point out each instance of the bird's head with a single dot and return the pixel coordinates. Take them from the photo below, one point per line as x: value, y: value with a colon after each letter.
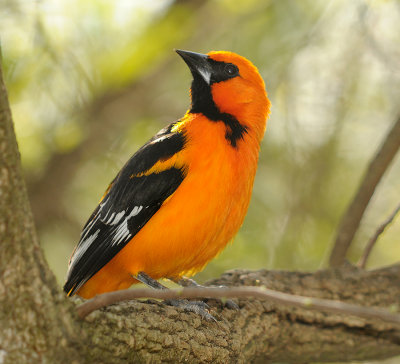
x: 224, y: 82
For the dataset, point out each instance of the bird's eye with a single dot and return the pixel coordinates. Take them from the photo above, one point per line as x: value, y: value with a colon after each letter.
x: 231, y: 70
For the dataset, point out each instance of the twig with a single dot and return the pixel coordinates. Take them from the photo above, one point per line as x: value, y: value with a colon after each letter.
x: 309, y: 303
x: 363, y: 260
x: 351, y: 219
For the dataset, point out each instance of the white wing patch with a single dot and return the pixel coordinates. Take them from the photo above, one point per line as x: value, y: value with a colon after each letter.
x: 89, y: 226
x: 82, y: 247
x: 87, y: 229
x: 122, y: 231
x: 114, y: 218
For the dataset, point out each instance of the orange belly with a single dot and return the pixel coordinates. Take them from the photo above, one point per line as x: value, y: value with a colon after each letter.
x: 194, y: 224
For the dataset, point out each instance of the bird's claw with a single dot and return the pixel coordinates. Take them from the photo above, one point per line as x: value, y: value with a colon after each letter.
x: 231, y: 305
x: 228, y: 303
x: 224, y: 303
x: 198, y: 307
x: 188, y: 282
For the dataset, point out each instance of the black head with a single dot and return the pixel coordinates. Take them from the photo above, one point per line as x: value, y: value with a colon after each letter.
x: 205, y: 69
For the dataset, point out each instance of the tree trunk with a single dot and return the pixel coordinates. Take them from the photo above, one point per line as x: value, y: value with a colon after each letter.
x: 36, y: 321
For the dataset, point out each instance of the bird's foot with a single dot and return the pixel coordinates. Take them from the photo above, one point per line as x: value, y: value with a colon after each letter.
x: 227, y: 303
x: 198, y: 307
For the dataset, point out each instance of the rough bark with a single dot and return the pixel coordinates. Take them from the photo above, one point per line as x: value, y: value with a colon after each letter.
x: 150, y: 332
x: 36, y: 321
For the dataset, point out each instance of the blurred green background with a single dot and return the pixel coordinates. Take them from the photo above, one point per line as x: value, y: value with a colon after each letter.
x: 91, y: 80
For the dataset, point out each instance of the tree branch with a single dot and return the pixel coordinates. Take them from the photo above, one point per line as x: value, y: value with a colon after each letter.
x: 352, y: 218
x: 262, y: 293
x: 363, y: 260
x: 261, y: 331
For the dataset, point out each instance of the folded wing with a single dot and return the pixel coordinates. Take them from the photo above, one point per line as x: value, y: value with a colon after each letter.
x: 131, y: 200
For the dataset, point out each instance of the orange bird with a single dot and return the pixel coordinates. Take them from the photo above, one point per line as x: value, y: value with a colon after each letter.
x: 181, y: 197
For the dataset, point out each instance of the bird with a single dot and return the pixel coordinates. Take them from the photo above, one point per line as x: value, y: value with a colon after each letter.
x: 182, y: 197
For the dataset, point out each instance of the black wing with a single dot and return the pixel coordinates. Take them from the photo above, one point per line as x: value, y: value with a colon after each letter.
x: 129, y: 203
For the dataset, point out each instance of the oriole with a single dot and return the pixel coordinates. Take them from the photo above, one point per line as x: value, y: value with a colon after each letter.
x: 181, y: 197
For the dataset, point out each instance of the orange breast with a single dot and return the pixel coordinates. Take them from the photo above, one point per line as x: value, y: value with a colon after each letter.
x: 198, y: 220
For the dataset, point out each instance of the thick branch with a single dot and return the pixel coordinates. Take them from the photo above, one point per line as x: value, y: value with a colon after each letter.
x: 261, y: 331
x: 352, y: 218
x: 261, y: 293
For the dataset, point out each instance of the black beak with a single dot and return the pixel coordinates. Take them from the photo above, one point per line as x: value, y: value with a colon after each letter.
x: 197, y: 63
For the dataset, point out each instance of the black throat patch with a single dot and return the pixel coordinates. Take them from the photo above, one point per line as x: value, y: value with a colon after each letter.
x: 202, y: 102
